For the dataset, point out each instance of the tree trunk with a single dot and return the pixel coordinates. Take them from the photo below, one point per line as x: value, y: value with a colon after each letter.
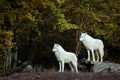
x: 78, y: 47
x: 32, y: 51
x: 15, y: 52
x: 15, y: 58
x: 77, y: 43
x: 9, y: 59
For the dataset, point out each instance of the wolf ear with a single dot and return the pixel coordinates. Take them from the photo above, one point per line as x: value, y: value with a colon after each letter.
x: 81, y: 33
x: 54, y: 43
x: 85, y: 33
x: 57, y: 44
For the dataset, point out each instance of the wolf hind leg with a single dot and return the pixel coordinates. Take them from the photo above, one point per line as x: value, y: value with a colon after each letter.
x: 71, y: 66
x: 75, y: 66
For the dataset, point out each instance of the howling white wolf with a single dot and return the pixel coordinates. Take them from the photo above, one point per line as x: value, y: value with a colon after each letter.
x: 65, y: 57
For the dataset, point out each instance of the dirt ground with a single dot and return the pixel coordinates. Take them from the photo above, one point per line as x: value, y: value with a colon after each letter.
x: 52, y: 75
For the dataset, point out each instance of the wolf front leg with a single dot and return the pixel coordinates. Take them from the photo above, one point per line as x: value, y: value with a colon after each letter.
x: 88, y: 51
x: 60, y: 66
x: 93, y: 56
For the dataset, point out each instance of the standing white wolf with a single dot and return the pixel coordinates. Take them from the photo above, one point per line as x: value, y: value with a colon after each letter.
x: 65, y: 57
x: 92, y: 44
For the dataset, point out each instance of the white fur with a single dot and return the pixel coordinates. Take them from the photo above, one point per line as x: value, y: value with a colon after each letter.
x: 65, y: 57
x: 92, y: 44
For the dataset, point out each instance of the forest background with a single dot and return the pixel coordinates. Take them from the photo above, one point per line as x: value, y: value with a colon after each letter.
x: 29, y: 29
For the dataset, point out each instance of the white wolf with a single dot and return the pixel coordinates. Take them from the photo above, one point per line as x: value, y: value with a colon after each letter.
x: 92, y: 44
x: 65, y: 57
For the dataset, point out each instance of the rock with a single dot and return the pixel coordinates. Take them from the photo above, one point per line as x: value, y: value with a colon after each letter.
x: 105, y: 67
x: 28, y: 68
x: 100, y: 66
x: 114, y: 67
x: 84, y: 65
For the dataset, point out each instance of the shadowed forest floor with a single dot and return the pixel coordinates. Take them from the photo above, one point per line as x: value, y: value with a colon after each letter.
x: 51, y: 75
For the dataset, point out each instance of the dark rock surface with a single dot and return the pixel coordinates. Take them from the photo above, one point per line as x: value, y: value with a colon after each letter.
x: 28, y: 68
x: 99, y: 66
x: 106, y: 66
